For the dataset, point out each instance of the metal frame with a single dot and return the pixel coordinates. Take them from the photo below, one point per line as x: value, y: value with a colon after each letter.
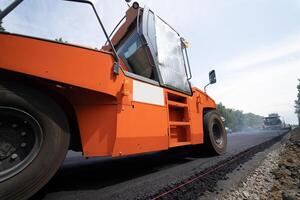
x: 9, y: 8
x: 144, y: 35
x: 115, y: 55
x: 141, y: 78
x: 113, y: 31
x: 187, y: 63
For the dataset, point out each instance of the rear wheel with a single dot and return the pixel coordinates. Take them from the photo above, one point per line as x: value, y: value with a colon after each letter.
x: 21, y: 138
x: 34, y: 139
x: 215, y: 137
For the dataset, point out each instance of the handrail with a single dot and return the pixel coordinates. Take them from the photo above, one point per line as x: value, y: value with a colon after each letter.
x: 9, y: 8
x: 116, y: 67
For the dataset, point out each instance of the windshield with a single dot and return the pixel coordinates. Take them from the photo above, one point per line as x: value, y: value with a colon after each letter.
x: 170, y: 57
x: 62, y: 21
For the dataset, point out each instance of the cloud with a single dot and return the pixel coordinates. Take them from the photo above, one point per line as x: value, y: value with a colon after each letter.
x: 265, y: 54
x: 262, y: 81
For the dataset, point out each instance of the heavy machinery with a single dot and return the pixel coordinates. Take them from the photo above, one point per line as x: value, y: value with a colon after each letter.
x: 132, y: 96
x: 273, y: 122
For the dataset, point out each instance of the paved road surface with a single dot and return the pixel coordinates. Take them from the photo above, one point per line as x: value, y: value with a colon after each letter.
x: 135, y: 176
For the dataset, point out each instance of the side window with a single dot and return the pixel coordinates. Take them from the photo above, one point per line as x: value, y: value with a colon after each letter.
x: 134, y: 55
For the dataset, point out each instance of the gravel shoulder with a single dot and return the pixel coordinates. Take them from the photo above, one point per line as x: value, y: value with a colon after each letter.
x: 272, y: 174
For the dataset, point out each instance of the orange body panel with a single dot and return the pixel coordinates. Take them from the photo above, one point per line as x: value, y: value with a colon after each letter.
x: 111, y: 119
x: 141, y: 128
x: 68, y: 64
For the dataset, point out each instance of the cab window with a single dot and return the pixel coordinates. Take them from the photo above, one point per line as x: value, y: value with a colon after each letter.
x: 134, y: 55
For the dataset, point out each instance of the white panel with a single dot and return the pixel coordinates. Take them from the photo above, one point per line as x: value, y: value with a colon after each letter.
x: 146, y: 93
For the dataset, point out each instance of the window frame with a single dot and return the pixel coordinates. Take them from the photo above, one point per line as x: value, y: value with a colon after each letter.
x: 137, y: 30
x: 154, y: 52
x: 142, y: 31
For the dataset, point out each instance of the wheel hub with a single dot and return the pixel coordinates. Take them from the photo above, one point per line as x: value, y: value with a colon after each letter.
x: 217, y: 134
x: 20, y: 141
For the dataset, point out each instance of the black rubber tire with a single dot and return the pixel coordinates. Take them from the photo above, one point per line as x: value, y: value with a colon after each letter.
x: 55, y: 143
x: 213, y: 119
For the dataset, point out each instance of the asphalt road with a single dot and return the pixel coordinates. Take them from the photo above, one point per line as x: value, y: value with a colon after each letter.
x: 135, y: 177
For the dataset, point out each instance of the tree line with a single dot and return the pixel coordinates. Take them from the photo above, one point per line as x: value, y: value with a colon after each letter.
x: 236, y: 120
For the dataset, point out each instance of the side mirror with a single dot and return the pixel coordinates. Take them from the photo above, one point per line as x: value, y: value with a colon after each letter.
x: 212, y: 77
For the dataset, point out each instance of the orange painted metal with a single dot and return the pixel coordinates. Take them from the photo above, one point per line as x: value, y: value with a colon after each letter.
x: 68, y: 64
x: 111, y: 123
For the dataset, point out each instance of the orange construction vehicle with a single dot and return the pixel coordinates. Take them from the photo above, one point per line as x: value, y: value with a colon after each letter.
x: 132, y: 96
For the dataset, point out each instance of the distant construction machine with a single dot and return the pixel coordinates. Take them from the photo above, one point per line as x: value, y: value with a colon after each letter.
x: 273, y: 121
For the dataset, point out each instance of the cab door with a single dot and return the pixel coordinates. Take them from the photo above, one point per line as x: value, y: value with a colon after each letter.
x: 142, y: 124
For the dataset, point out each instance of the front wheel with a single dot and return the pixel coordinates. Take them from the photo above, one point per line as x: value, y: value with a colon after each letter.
x: 215, y: 137
x: 34, y: 139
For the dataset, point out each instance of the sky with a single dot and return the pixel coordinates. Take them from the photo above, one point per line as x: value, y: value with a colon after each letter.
x: 253, y: 45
